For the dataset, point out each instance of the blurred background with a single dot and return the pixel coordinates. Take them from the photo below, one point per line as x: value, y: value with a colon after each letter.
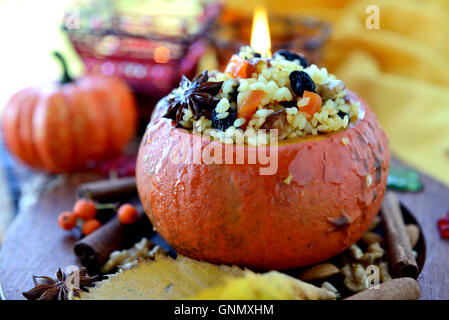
x: 394, y: 54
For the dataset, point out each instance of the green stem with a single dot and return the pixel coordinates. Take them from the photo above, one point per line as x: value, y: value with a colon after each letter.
x: 103, y: 206
x: 66, y: 78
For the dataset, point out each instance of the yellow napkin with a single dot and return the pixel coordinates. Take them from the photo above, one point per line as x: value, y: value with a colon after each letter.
x: 401, y: 69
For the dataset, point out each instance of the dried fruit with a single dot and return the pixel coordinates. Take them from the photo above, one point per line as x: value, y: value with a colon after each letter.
x: 292, y: 56
x: 289, y: 104
x: 249, y: 106
x: 277, y: 120
x: 127, y: 214
x: 240, y: 68
x: 85, y: 209
x: 223, y: 124
x: 312, y: 103
x: 342, y: 114
x: 234, y: 93
x: 67, y: 220
x: 330, y: 89
x: 300, y: 82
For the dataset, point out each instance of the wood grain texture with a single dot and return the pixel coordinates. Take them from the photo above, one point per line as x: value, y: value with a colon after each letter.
x: 34, y: 244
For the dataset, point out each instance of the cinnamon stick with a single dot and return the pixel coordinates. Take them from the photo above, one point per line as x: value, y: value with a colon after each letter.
x: 94, y: 249
x: 108, y: 189
x: 403, y: 262
x: 395, y: 289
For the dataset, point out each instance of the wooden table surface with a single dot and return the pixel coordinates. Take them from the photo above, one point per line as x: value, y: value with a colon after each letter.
x: 34, y: 244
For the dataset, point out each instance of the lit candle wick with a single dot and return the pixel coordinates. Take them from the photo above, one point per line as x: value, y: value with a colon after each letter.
x: 260, y: 33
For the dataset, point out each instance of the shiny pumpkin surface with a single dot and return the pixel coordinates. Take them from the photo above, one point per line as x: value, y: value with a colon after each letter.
x: 319, y: 201
x: 60, y: 127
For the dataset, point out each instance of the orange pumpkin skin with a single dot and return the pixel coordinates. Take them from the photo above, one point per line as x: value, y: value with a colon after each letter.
x: 59, y: 128
x: 229, y: 213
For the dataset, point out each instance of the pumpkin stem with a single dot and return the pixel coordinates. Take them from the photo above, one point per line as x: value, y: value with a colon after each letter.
x: 66, y: 78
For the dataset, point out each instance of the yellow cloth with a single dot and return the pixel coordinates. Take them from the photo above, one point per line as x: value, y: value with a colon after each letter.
x: 401, y: 69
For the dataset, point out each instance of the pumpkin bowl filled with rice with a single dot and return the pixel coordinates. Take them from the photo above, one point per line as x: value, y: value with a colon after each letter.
x: 272, y: 164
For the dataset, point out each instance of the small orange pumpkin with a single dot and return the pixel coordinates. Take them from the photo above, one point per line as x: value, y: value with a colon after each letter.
x: 60, y: 127
x: 325, y: 193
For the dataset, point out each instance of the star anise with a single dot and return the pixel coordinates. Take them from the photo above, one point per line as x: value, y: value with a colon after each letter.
x: 46, y: 288
x: 197, y: 95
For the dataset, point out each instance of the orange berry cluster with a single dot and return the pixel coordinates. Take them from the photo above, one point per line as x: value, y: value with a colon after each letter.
x: 86, y: 211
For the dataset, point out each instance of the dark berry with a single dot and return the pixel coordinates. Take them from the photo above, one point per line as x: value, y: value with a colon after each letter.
x: 257, y: 55
x: 300, y: 82
x: 342, y: 114
x: 292, y: 56
x: 288, y: 104
x: 223, y: 124
x: 234, y: 93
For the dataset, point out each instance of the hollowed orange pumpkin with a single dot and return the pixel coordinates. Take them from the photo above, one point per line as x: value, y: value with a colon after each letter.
x: 322, y: 198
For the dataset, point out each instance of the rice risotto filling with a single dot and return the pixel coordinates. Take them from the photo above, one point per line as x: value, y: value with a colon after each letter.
x: 255, y: 92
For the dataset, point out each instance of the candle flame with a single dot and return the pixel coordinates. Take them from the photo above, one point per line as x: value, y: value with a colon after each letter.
x: 260, y: 33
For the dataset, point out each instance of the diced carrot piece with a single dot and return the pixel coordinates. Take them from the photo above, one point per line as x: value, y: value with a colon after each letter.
x: 251, y: 68
x: 313, y: 105
x: 249, y: 106
x: 237, y: 67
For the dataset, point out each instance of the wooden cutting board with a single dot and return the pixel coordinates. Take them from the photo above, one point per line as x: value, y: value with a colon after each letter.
x: 34, y: 244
